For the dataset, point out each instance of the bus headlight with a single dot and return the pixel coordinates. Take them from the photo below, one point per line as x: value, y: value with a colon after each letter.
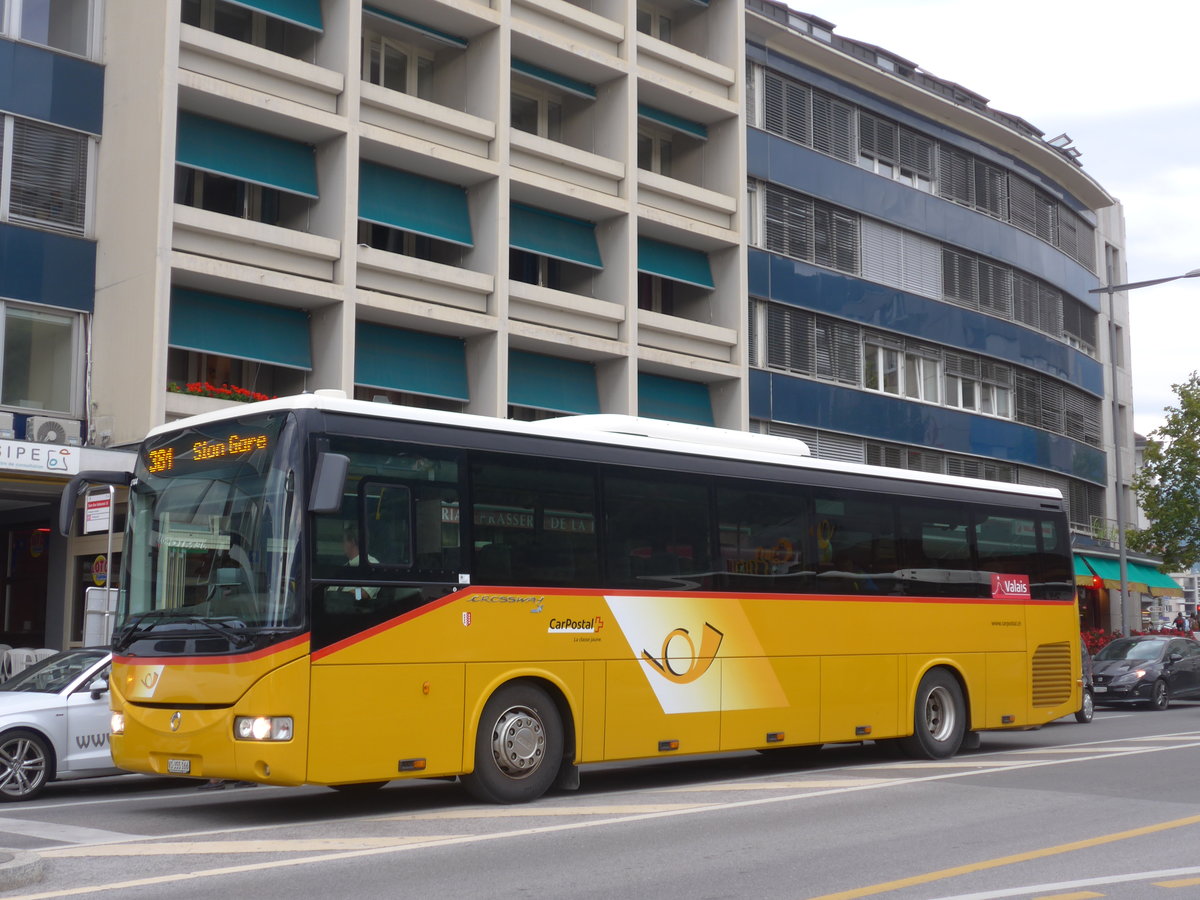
x: 263, y: 728
x: 116, y: 724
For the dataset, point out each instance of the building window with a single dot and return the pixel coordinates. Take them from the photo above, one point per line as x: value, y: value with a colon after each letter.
x: 895, y: 370
x: 533, y: 268
x: 810, y: 230
x: 654, y: 151
x: 895, y: 152
x: 654, y: 22
x: 235, y: 21
x: 44, y: 175
x: 66, y: 25
x: 190, y: 366
x: 537, y: 112
x: 656, y: 294
x: 408, y: 243
x: 41, y: 349
x: 234, y: 197
x: 397, y: 65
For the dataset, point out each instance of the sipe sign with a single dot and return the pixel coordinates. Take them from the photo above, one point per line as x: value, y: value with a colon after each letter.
x: 1010, y: 587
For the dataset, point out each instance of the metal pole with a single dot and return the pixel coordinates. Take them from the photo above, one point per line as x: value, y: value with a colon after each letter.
x: 1116, y: 429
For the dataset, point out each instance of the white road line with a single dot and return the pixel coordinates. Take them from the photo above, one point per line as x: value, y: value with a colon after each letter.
x: 67, y: 834
x: 1034, y: 890
x: 194, y: 848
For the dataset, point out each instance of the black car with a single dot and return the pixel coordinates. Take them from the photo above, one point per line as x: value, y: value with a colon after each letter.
x: 1150, y: 669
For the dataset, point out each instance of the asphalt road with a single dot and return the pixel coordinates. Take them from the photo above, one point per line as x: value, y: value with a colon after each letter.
x: 1110, y: 809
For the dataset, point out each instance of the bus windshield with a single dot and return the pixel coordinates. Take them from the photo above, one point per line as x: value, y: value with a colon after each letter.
x: 213, y: 533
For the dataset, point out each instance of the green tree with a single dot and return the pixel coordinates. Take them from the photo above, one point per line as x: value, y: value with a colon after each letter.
x: 1168, y: 484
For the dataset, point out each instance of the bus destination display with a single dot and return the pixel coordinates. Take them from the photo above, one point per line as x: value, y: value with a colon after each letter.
x: 195, y: 454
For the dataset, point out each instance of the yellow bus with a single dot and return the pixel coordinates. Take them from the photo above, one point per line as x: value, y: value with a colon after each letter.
x: 317, y: 590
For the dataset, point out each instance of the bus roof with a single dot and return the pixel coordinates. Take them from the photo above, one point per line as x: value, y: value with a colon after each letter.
x: 616, y: 430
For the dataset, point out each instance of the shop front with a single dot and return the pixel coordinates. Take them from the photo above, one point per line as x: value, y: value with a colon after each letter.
x: 43, y: 576
x: 1153, y: 597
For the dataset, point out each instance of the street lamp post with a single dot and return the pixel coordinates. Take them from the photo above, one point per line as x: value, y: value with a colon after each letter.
x: 1122, y: 553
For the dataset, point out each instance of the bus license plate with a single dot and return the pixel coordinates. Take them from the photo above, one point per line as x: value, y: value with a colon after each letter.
x: 179, y: 766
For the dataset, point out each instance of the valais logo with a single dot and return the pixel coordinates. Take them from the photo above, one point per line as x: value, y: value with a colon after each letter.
x: 1010, y: 587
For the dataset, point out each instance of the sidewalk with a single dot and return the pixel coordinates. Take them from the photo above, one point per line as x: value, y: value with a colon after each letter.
x: 19, y: 868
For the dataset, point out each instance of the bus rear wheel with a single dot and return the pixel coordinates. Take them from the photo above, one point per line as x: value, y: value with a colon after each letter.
x: 939, y: 717
x: 518, y: 747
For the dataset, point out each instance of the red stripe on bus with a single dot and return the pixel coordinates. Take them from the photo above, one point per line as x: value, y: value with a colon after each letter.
x: 214, y: 660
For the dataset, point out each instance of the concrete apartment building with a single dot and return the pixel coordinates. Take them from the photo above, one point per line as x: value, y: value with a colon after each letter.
x: 714, y: 211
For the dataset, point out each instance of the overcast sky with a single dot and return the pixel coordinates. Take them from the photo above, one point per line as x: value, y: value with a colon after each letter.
x: 1121, y: 80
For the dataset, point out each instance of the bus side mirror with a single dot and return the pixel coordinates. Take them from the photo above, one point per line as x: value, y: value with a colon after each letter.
x: 329, y: 481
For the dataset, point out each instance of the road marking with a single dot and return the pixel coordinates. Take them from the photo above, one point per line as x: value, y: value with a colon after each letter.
x: 67, y: 834
x: 1096, y: 749
x: 190, y: 848
x: 678, y: 810
x: 984, y: 865
x: 956, y: 763
x: 1178, y: 882
x: 534, y: 812
x: 1078, y: 895
x: 776, y: 785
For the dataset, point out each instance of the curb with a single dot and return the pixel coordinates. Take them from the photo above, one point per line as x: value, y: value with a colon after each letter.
x: 19, y: 868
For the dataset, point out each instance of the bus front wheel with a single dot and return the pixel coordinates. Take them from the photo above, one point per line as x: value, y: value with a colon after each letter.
x: 518, y: 748
x: 939, y: 717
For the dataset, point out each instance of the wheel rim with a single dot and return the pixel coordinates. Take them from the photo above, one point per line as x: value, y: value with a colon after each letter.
x: 1089, y: 704
x: 940, y: 714
x: 519, y: 742
x: 1160, y: 693
x: 22, y: 767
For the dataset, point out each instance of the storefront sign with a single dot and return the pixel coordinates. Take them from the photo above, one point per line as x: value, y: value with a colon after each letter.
x: 100, y: 570
x: 49, y: 459
x: 97, y: 513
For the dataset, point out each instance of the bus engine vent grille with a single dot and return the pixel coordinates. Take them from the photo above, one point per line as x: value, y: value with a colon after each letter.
x: 1052, y: 674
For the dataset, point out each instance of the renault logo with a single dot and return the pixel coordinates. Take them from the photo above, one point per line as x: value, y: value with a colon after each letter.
x: 175, y: 721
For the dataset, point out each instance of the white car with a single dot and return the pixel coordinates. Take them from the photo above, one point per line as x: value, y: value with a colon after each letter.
x: 54, y: 723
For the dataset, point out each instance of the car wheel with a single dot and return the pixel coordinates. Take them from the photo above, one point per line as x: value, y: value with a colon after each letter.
x: 1084, y: 713
x: 1160, y: 697
x: 518, y: 747
x: 24, y: 765
x: 939, y: 717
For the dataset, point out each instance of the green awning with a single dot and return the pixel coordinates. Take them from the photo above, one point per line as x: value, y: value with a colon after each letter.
x: 413, y: 203
x: 554, y: 235
x: 226, y: 326
x: 674, y: 263
x: 305, y: 13
x: 1139, y: 577
x: 549, y: 382
x: 555, y: 79
x: 1083, y: 575
x: 254, y: 156
x: 399, y: 360
x: 660, y: 397
x: 672, y: 121
x: 444, y: 37
x: 1159, y: 585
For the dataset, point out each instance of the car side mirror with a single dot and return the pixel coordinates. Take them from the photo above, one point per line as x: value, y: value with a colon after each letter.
x: 1175, y: 657
x: 98, y: 688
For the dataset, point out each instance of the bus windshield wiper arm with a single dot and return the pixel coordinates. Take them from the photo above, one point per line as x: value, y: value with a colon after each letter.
x: 134, y: 627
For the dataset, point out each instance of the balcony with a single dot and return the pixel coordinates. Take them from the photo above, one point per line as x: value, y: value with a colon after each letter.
x: 571, y: 27
x: 564, y: 311
x: 403, y: 116
x: 577, y: 168
x: 251, y: 243
x: 407, y: 276
x: 235, y: 62
x: 687, y: 338
x: 679, y: 198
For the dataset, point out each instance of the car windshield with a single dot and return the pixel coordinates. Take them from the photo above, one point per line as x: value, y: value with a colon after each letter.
x: 1128, y: 649
x: 54, y: 673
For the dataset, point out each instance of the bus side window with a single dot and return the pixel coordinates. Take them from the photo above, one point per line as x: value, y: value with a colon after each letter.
x: 657, y: 533
x: 764, y: 541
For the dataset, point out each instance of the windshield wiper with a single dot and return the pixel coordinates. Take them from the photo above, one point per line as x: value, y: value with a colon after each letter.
x: 133, y: 629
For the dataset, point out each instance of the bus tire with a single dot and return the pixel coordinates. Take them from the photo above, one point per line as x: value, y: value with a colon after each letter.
x: 939, y: 717
x: 518, y: 747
